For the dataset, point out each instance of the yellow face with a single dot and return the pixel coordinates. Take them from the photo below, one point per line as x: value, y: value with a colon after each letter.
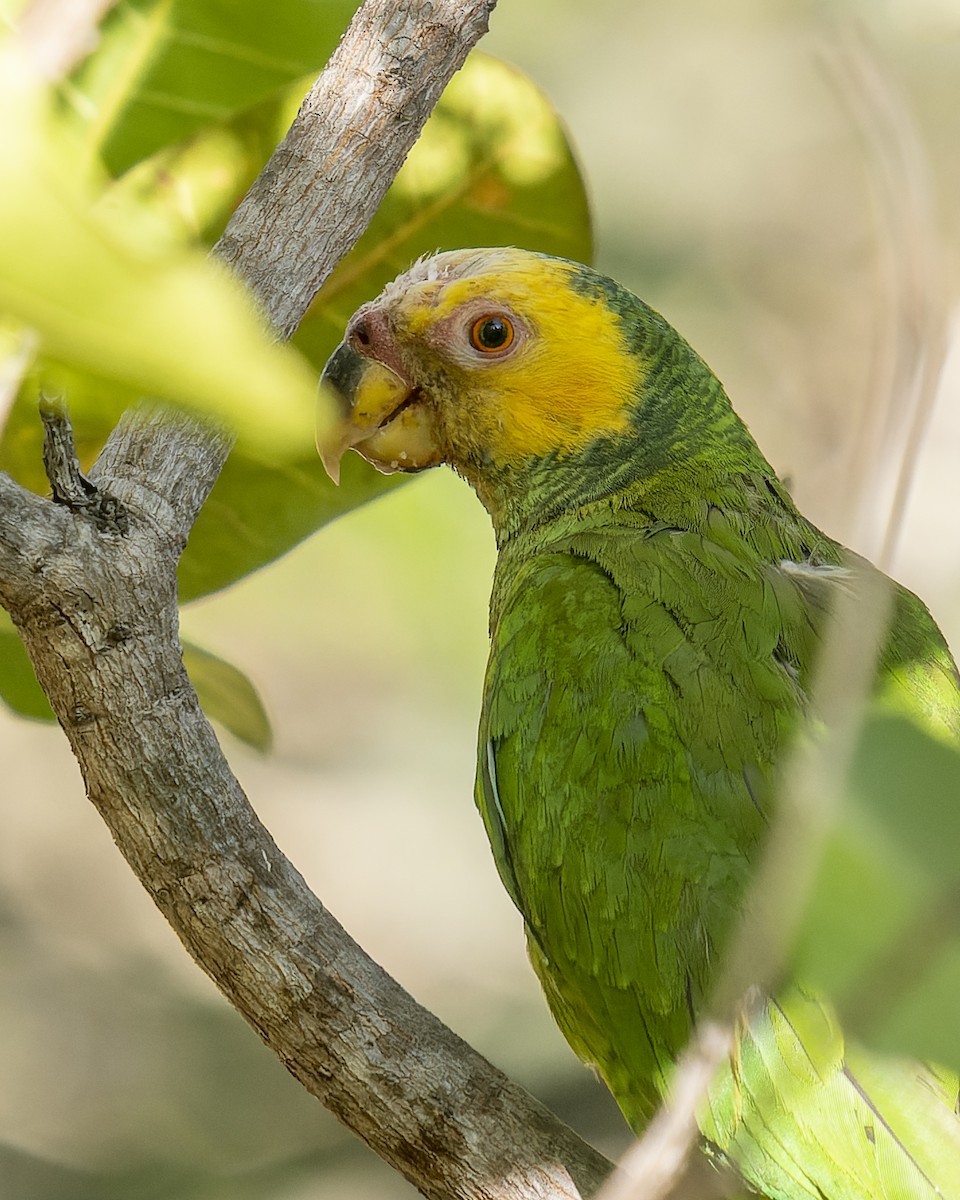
x: 474, y: 357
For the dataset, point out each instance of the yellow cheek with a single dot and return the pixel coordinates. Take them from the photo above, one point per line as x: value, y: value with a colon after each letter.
x: 561, y: 402
x: 571, y: 380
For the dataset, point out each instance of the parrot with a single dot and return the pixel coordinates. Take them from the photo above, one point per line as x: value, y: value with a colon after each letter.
x: 657, y: 608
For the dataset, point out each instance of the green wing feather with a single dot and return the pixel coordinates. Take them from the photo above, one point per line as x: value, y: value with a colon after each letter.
x: 645, y: 676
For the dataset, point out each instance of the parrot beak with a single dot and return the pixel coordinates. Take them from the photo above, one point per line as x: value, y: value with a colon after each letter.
x: 382, y: 417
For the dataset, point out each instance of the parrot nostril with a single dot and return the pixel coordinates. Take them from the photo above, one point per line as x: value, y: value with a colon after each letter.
x: 369, y: 334
x: 360, y: 334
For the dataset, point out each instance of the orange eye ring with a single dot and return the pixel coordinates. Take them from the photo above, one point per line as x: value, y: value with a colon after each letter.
x: 492, y: 333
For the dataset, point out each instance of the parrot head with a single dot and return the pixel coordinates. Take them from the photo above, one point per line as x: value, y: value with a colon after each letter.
x: 509, y: 365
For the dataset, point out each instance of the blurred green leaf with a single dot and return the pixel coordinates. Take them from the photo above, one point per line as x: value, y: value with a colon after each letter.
x: 19, y: 689
x: 184, y: 194
x: 258, y: 511
x: 492, y: 167
x: 165, y: 69
x: 227, y: 695
x: 881, y: 935
x: 175, y: 326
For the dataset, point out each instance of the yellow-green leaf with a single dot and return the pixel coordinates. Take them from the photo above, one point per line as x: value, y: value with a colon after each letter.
x: 227, y: 695
x: 19, y: 689
x: 493, y: 167
x: 173, y: 325
x: 164, y: 69
x: 881, y: 934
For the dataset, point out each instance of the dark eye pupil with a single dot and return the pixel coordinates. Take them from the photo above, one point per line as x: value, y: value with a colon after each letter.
x: 493, y: 333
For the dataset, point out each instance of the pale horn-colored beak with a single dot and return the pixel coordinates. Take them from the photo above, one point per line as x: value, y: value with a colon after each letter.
x: 381, y: 416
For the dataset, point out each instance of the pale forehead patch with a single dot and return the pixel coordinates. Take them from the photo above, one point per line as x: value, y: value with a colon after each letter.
x: 450, y: 265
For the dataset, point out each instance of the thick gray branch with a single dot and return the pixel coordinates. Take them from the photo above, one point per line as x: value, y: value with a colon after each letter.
x: 325, y: 180
x: 97, y: 609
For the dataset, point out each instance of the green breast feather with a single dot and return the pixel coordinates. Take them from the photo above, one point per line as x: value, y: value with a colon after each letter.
x: 643, y: 682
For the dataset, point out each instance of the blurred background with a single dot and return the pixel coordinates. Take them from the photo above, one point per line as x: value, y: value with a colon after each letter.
x: 780, y: 178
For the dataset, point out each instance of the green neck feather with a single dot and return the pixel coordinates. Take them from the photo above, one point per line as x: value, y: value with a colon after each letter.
x: 684, y: 437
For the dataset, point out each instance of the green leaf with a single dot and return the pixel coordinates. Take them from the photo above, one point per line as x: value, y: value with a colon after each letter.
x: 493, y: 167
x: 881, y: 935
x: 227, y: 695
x: 173, y: 325
x: 165, y: 69
x: 19, y: 689
x: 257, y: 512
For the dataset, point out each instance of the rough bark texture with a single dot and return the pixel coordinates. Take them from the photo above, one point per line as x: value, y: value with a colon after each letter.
x: 95, y: 601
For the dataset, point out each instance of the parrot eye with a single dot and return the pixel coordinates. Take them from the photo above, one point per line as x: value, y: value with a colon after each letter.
x: 489, y: 334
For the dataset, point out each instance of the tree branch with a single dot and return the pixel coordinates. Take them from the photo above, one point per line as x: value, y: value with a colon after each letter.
x: 96, y: 605
x: 325, y: 180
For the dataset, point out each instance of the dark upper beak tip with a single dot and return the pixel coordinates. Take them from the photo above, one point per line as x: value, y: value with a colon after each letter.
x: 342, y: 375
